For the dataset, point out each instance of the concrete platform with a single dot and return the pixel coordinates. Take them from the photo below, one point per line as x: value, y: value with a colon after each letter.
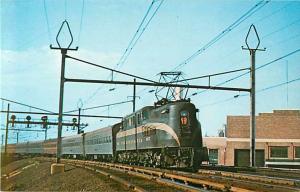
x: 57, y: 168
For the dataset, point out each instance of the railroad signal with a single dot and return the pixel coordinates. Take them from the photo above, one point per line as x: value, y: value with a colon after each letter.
x: 13, y: 118
x: 44, y: 119
x: 74, y: 123
x: 28, y: 118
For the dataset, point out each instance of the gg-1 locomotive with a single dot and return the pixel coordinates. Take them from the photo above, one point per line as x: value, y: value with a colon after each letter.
x: 167, y: 134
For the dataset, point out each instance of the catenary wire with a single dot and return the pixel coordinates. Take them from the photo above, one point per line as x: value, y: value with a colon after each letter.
x: 47, y: 21
x: 81, y: 21
x: 99, y: 106
x: 112, y: 70
x: 126, y: 50
x: 15, y: 102
x: 243, y: 95
x: 250, y: 12
x: 243, y: 74
x: 246, y: 15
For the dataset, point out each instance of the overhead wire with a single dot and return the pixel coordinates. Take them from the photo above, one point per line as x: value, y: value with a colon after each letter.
x: 235, y: 24
x: 112, y: 70
x: 99, y: 106
x: 246, y: 15
x: 134, y: 36
x: 243, y: 74
x: 47, y: 21
x: 15, y: 102
x: 65, y: 9
x: 132, y: 42
x: 139, y: 36
x: 243, y: 95
x: 258, y: 21
x: 81, y: 21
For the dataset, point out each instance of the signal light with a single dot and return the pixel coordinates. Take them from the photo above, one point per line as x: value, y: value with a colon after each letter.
x: 13, y: 118
x: 44, y: 119
x: 28, y: 118
x: 74, y: 123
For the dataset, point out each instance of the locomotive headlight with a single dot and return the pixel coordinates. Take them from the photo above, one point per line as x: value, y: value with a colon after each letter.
x: 165, y: 111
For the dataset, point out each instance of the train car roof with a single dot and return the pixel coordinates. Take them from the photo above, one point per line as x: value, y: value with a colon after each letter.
x: 168, y: 103
x: 146, y: 108
x: 72, y: 136
x: 104, y: 129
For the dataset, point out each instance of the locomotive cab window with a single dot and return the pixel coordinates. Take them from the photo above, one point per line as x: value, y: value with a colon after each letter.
x: 184, y: 120
x: 145, y: 115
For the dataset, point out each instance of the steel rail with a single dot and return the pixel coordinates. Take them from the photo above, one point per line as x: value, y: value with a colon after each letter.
x: 188, y: 180
x: 161, y: 175
x: 109, y: 175
x: 245, y: 176
x: 208, y: 182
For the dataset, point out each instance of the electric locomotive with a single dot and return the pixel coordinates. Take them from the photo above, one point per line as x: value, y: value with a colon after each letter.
x: 165, y: 135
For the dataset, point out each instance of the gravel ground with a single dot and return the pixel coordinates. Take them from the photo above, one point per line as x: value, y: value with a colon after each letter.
x: 38, y: 178
x: 15, y: 165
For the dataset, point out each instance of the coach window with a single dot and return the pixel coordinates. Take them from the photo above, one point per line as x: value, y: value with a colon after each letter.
x: 279, y: 152
x: 129, y: 122
x: 139, y: 118
x: 297, y: 152
x: 123, y: 124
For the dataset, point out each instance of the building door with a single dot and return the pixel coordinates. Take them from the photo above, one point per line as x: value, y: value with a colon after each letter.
x: 260, y: 158
x: 242, y: 157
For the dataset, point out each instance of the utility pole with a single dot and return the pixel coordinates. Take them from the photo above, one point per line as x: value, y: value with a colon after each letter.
x: 61, y: 91
x: 252, y: 93
x: 18, y: 137
x: 287, y: 84
x: 46, y: 133
x: 133, y: 110
x: 6, y: 131
x: 78, y: 128
x: 79, y: 106
x: 134, y: 93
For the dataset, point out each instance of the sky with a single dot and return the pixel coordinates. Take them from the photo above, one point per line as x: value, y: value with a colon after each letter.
x: 30, y: 70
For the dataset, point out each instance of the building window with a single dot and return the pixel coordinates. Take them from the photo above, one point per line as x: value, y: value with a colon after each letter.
x: 297, y: 152
x: 279, y: 152
x: 213, y: 156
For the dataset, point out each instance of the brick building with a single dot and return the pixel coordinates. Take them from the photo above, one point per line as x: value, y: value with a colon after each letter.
x: 277, y: 140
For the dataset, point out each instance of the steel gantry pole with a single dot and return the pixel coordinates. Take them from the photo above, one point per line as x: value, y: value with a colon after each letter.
x: 60, y: 109
x: 133, y: 110
x: 6, y: 131
x: 78, y: 128
x: 61, y: 90
x: 252, y: 110
x: 252, y: 52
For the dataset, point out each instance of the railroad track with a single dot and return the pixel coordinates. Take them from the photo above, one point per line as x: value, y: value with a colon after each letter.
x: 203, y: 180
